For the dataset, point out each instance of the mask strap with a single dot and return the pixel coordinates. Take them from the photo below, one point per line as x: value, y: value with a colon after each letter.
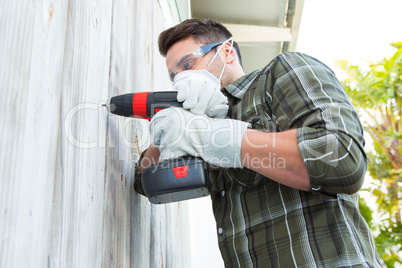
x: 219, y: 50
x: 224, y: 66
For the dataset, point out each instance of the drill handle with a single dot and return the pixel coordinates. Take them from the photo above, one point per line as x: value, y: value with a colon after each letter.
x: 157, y: 101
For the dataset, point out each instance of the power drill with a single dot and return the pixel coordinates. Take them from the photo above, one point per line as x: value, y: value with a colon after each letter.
x: 168, y: 181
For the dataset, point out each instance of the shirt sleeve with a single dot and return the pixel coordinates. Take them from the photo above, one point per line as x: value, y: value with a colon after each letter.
x: 306, y: 95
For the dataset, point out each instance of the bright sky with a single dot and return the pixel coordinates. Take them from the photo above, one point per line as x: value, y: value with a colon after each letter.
x: 355, y: 30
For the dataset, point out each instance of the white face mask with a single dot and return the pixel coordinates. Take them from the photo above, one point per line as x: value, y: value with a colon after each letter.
x: 212, y: 78
x: 197, y: 74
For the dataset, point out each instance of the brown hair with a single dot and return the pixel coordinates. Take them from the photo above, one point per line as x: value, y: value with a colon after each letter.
x: 204, y: 31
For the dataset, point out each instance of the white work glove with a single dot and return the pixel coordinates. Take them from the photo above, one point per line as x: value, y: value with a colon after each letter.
x: 178, y: 132
x: 200, y: 92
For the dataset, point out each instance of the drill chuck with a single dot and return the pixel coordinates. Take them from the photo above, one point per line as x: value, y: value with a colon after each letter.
x: 107, y: 105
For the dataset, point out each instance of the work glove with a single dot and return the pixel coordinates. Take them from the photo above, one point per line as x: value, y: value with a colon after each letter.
x: 200, y: 92
x: 178, y: 132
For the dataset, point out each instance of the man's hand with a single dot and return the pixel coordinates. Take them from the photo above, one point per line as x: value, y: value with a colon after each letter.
x: 200, y: 92
x: 178, y: 132
x: 151, y: 157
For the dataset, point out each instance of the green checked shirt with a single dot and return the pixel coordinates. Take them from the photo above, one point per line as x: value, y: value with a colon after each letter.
x: 261, y: 223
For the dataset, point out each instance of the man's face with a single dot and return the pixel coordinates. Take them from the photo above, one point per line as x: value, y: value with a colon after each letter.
x: 181, y: 52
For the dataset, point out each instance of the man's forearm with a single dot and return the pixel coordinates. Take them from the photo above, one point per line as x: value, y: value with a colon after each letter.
x: 276, y: 156
x: 151, y: 157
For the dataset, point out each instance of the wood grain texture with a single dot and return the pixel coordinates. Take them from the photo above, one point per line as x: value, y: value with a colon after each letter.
x: 66, y: 165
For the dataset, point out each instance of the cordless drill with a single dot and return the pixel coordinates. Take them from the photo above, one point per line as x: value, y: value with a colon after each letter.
x: 168, y: 181
x: 142, y: 104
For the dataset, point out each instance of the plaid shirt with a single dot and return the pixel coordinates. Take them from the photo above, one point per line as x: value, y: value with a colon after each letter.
x: 261, y: 223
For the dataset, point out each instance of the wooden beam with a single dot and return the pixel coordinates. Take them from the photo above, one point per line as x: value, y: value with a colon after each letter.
x: 256, y: 33
x: 296, y: 24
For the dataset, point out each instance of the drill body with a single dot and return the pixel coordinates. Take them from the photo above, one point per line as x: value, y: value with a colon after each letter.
x: 172, y: 180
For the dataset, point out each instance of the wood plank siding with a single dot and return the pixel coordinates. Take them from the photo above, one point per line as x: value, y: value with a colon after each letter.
x: 66, y: 165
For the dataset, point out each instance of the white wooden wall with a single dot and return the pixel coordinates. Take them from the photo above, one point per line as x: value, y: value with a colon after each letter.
x: 66, y: 165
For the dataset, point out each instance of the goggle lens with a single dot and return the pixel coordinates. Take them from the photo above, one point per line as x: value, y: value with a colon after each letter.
x: 189, y: 61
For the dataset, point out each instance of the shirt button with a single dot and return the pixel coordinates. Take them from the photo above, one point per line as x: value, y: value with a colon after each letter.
x: 220, y: 231
x: 223, y: 193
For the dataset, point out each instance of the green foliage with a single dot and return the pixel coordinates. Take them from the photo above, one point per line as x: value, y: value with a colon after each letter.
x: 389, y: 242
x: 377, y: 95
x: 366, y: 212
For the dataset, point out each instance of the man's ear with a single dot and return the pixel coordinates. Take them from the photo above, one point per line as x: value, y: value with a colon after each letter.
x: 230, y: 52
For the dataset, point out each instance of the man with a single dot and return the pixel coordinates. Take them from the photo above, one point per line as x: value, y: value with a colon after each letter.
x: 285, y: 147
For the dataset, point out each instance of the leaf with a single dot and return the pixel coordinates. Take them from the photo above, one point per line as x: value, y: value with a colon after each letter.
x: 397, y: 45
x: 366, y: 212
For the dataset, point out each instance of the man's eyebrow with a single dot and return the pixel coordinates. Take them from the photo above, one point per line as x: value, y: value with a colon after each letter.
x: 185, y: 57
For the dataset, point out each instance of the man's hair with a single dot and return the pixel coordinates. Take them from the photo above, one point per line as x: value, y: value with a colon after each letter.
x: 204, y: 31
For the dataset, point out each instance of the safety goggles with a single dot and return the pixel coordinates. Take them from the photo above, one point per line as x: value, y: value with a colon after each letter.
x: 189, y: 61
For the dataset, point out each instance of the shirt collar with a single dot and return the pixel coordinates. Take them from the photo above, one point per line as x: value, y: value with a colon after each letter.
x: 241, y: 85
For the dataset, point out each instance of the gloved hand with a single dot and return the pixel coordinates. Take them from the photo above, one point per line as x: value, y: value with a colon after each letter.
x: 200, y: 92
x: 178, y: 132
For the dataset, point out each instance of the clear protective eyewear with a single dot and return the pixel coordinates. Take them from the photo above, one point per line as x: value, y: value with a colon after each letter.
x: 189, y: 61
